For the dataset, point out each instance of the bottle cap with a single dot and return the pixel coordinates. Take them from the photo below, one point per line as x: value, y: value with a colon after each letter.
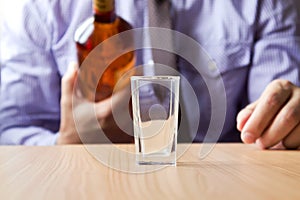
x: 103, y: 5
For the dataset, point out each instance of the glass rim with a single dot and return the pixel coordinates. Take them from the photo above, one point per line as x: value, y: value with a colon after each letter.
x: 155, y: 77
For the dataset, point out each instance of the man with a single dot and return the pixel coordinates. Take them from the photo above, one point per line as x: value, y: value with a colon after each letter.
x: 252, y: 43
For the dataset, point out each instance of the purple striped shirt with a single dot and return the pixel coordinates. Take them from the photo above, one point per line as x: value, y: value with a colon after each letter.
x: 252, y: 43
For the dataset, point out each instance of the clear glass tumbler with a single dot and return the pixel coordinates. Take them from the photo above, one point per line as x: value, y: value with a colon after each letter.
x: 155, y: 102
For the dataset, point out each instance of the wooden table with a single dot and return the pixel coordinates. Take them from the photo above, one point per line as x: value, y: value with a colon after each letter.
x: 230, y: 171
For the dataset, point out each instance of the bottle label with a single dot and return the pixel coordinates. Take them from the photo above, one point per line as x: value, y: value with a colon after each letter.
x: 104, y: 5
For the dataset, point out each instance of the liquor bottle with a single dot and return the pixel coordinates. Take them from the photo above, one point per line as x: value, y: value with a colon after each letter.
x: 98, y: 72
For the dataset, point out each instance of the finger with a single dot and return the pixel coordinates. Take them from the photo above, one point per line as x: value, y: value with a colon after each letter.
x: 67, y: 132
x: 116, y: 101
x: 103, y: 108
x: 244, y: 115
x: 271, y: 101
x: 68, y: 80
x: 286, y: 120
x: 278, y: 146
x: 292, y: 141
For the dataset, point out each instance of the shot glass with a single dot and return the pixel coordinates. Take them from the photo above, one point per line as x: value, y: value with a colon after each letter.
x: 155, y: 102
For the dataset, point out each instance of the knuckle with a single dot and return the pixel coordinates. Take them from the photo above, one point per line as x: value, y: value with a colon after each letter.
x: 248, y: 108
x: 291, y: 116
x: 286, y: 84
x: 281, y: 86
x: 274, y: 99
x: 281, y: 83
x: 276, y: 82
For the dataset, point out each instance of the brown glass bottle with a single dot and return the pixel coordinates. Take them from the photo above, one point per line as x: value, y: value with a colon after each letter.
x: 98, y: 72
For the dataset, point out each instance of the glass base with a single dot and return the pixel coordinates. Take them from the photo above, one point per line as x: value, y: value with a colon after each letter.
x: 156, y: 159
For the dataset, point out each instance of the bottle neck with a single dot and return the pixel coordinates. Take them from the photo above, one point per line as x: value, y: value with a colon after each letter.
x: 104, y: 11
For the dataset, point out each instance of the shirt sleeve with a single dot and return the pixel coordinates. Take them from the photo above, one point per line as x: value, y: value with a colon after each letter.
x: 277, y: 47
x: 30, y: 135
x: 30, y: 83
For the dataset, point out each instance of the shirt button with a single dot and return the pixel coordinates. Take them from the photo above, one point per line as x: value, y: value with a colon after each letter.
x: 212, y: 66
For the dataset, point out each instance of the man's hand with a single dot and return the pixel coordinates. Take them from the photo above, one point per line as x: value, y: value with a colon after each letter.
x: 67, y: 131
x: 83, y: 121
x: 274, y: 119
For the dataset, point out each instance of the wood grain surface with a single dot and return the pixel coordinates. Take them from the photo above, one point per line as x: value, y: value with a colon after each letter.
x: 230, y: 171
